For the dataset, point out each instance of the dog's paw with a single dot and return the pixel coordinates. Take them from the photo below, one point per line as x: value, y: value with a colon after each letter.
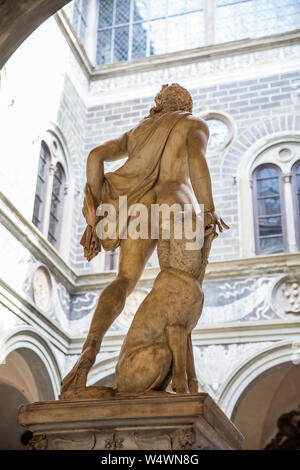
x: 193, y: 385
x: 179, y: 385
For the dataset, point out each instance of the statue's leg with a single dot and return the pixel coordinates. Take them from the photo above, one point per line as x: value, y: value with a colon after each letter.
x: 190, y: 367
x: 132, y: 260
x: 177, y: 340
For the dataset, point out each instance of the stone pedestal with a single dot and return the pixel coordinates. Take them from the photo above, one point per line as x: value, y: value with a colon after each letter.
x: 158, y: 422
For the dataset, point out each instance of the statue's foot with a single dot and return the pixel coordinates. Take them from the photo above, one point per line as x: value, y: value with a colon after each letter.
x: 88, y: 393
x: 77, y: 377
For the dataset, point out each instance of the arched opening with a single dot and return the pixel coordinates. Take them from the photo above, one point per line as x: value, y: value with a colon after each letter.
x: 267, y: 399
x: 23, y: 379
x: 11, y: 433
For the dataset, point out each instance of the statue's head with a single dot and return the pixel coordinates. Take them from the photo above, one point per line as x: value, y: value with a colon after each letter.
x: 172, y: 98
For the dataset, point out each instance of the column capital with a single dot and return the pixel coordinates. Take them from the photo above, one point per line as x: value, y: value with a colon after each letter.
x: 287, y: 177
x: 52, y: 169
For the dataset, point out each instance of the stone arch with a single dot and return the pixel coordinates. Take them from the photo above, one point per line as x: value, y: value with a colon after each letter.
x: 251, y: 139
x: 251, y: 370
x: 19, y: 18
x: 54, y: 130
x: 38, y: 355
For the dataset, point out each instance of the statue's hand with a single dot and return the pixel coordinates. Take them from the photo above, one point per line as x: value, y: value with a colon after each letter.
x: 211, y: 218
x: 89, y: 207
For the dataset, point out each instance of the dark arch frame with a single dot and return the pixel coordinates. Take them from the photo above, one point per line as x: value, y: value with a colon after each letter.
x: 19, y: 18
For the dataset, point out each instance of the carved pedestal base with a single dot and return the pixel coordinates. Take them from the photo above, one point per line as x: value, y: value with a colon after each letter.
x: 163, y: 422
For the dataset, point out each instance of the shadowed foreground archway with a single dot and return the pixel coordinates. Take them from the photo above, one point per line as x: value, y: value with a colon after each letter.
x: 24, y: 379
x: 19, y: 18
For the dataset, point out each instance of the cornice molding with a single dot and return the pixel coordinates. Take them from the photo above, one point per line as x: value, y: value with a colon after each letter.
x: 75, y: 46
x: 30, y: 314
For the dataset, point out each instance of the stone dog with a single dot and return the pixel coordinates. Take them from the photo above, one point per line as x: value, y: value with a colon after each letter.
x: 158, y: 346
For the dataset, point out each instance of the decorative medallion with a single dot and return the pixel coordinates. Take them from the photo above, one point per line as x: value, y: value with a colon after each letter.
x: 285, y: 154
x: 221, y: 131
x: 286, y: 296
x: 42, y: 288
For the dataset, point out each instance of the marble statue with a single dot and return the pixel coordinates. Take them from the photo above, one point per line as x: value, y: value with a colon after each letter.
x: 166, y: 164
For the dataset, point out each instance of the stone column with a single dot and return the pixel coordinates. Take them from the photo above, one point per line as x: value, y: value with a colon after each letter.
x: 48, y: 197
x: 289, y: 212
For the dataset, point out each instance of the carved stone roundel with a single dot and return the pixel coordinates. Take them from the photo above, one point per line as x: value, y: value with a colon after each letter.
x: 42, y: 288
x: 286, y: 297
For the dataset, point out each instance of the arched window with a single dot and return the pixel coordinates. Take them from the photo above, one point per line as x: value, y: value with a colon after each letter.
x: 268, y: 203
x: 296, y: 191
x: 41, y: 187
x: 56, y: 205
x: 52, y: 190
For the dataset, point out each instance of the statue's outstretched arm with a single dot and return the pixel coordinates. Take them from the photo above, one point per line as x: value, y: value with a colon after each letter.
x: 199, y: 173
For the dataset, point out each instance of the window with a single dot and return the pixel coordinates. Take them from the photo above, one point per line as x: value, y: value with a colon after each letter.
x: 77, y: 15
x: 56, y: 205
x: 122, y: 30
x: 296, y: 191
x: 268, y: 183
x: 41, y: 187
x: 238, y: 19
x: 221, y: 131
x: 132, y: 29
x: 51, y: 188
x: 268, y: 216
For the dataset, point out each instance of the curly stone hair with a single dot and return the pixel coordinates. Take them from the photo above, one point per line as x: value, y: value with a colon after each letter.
x: 172, y: 98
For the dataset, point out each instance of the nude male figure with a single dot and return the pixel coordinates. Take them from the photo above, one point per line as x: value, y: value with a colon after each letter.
x: 182, y: 157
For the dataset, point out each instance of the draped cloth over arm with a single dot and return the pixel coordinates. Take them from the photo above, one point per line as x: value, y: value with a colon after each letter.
x: 140, y: 172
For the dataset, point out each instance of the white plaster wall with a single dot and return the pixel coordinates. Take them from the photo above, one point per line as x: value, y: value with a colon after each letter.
x: 31, y: 89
